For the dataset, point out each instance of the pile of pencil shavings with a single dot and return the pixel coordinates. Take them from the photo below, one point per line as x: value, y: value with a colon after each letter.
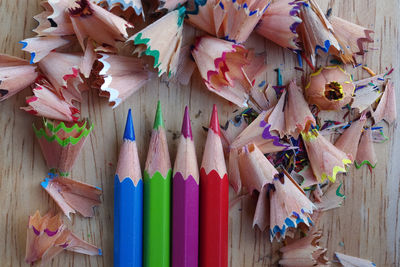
x: 77, y: 48
x: 285, y: 156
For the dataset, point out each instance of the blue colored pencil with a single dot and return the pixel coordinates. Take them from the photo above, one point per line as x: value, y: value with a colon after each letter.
x: 128, y: 203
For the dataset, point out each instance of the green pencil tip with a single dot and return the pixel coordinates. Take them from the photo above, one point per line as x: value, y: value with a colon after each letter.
x: 158, y: 120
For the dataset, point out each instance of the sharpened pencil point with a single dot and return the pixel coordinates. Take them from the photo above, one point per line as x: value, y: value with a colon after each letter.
x: 214, y: 122
x: 158, y: 120
x: 129, y: 133
x: 186, y: 127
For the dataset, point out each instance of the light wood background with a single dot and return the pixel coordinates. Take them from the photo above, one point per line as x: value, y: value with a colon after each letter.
x: 367, y: 226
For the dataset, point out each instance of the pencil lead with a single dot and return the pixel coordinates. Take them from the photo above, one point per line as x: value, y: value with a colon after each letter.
x: 186, y: 127
x: 214, y: 122
x: 158, y: 120
x: 129, y: 133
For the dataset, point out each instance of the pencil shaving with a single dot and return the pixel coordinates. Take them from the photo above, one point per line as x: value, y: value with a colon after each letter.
x: 259, y: 132
x: 15, y: 75
x: 231, y: 20
x: 279, y: 24
x: 221, y: 65
x: 170, y: 4
x: 261, y: 217
x: 186, y: 66
x: 47, y: 236
x: 330, y: 88
x: 41, y: 18
x: 54, y: 21
x: 348, y: 141
x: 365, y: 96
x: 61, y: 148
x: 316, y: 32
x: 366, y: 153
x: 255, y: 169
x: 62, y: 71
x: 325, y: 159
x: 351, y: 37
x: 350, y: 261
x: 305, y: 252
x: 289, y: 207
x: 47, y: 103
x: 71, y: 195
x: 386, y: 109
x: 291, y: 115
x: 119, y: 77
x: 92, y: 22
x: 240, y: 18
x: 39, y: 47
x: 162, y: 40
x: 308, y: 176
x: 331, y: 199
x: 136, y: 5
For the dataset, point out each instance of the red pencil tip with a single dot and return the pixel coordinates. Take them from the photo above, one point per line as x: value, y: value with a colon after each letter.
x: 214, y: 122
x: 186, y: 127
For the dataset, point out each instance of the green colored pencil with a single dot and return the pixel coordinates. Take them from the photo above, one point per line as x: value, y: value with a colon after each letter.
x: 157, y: 198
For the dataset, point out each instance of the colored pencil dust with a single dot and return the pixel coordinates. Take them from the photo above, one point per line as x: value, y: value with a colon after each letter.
x: 185, y: 201
x: 128, y: 202
x: 157, y: 198
x: 214, y: 198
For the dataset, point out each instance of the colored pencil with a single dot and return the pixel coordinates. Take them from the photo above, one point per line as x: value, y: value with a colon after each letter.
x: 157, y: 198
x: 185, y: 200
x: 214, y: 199
x: 128, y: 202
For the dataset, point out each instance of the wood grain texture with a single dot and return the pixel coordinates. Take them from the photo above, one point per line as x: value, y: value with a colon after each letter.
x: 367, y: 226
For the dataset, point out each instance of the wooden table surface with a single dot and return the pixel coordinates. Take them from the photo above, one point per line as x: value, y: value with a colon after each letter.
x: 366, y: 226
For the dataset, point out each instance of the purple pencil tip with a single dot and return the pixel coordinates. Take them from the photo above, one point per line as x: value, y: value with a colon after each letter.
x: 186, y: 127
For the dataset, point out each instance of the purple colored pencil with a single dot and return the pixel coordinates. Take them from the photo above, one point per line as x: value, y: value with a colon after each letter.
x: 185, y: 201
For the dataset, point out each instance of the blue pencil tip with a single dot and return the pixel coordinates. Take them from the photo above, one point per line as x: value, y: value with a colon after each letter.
x: 129, y: 133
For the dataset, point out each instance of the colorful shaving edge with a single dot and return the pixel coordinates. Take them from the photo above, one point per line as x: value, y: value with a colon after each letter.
x: 62, y: 142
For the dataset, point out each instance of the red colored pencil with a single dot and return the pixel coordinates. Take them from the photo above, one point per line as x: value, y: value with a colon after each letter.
x: 214, y: 199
